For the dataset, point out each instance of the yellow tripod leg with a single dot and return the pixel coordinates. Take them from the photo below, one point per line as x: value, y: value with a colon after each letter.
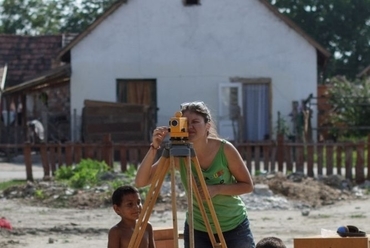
x: 174, y: 204
x: 155, y: 187
x: 210, y: 206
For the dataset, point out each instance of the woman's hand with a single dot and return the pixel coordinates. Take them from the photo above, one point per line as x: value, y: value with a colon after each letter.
x: 158, y: 136
x: 213, y: 190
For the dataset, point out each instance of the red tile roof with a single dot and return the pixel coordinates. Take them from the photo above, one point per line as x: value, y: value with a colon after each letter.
x: 27, y: 56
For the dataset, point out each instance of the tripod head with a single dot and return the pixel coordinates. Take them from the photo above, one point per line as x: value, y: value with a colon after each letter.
x: 178, y: 127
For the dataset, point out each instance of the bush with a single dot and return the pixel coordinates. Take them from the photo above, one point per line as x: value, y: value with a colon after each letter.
x: 84, y: 174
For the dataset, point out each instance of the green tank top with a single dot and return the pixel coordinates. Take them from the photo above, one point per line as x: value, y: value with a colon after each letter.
x: 230, y: 210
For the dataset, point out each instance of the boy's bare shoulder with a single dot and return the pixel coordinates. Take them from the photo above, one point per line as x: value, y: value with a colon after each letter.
x: 149, y: 226
x: 114, y: 229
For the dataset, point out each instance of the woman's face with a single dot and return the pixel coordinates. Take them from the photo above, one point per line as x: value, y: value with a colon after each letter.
x: 197, y: 127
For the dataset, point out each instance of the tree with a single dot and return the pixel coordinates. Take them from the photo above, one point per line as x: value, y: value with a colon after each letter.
x: 32, y: 16
x: 351, y: 106
x: 341, y: 26
x: 35, y: 17
x: 81, y: 17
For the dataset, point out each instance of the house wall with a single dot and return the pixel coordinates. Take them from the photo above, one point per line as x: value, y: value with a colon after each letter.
x: 190, y: 51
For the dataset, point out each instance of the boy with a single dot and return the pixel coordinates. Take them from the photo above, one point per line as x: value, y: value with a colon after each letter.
x: 127, y: 204
x: 270, y: 242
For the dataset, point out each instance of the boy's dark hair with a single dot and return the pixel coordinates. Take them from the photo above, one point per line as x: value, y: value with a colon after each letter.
x: 270, y: 242
x: 120, y: 192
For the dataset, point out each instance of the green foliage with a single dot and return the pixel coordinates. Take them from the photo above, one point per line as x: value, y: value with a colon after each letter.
x: 35, y: 17
x: 351, y: 107
x: 80, y: 17
x: 8, y: 184
x: 64, y: 173
x: 39, y: 194
x: 341, y: 26
x: 282, y: 127
x: 83, y: 174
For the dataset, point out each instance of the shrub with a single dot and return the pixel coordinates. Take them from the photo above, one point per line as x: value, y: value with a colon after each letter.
x: 84, y: 174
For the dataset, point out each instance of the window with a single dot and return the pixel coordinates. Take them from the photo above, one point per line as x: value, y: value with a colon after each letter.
x: 191, y: 2
x: 138, y: 91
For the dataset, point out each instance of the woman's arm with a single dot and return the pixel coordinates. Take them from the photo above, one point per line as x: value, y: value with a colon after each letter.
x: 239, y: 170
x: 148, y: 166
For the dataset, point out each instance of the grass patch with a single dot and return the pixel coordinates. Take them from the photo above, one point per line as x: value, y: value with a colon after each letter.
x: 7, y: 184
x: 321, y: 216
x: 266, y: 218
x: 358, y: 216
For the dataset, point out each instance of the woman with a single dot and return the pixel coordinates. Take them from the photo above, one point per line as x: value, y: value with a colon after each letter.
x: 225, y: 174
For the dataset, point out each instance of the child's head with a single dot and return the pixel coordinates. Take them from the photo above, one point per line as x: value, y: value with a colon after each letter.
x: 127, y: 202
x: 270, y: 242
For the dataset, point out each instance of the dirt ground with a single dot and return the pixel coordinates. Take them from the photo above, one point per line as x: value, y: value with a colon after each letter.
x: 84, y: 217
x: 42, y: 227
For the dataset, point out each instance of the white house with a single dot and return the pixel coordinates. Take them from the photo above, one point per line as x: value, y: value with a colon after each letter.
x: 167, y: 52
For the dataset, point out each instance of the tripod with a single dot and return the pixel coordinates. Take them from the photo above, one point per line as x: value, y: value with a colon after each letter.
x: 166, y: 163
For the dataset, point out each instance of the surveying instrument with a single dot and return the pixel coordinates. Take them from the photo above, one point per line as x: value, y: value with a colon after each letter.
x: 179, y: 147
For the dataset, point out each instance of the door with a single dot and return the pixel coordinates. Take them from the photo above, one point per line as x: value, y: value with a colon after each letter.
x: 140, y: 91
x: 230, y: 109
x: 256, y: 111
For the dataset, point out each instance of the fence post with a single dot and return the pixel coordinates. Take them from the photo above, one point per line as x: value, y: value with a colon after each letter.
x: 108, y: 150
x: 78, y: 152
x: 368, y: 157
x: 329, y: 159
x: 359, y: 169
x: 28, y: 161
x: 69, y: 154
x: 123, y: 158
x: 45, y: 160
x: 310, y: 152
x: 280, y: 152
x: 52, y: 158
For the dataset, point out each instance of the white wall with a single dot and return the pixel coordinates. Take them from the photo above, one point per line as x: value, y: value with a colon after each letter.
x: 190, y: 51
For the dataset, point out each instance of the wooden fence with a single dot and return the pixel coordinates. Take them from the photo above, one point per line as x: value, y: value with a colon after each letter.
x: 352, y: 160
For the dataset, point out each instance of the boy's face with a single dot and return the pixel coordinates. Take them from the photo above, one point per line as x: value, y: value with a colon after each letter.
x: 130, y: 207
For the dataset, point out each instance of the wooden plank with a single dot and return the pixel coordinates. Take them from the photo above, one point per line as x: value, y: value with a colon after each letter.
x: 368, y: 157
x: 280, y: 151
x: 123, y: 158
x: 331, y: 242
x: 288, y: 159
x: 28, y: 161
x: 53, y: 159
x: 348, y: 161
x: 77, y: 153
x: 113, y: 111
x: 248, y: 157
x: 92, y: 103
x: 339, y: 151
x: 257, y: 158
x: 320, y: 160
x: 45, y: 160
x: 125, y: 122
x: 310, y: 158
x: 69, y: 154
x: 300, y: 158
x: 359, y: 170
x: 116, y: 137
x: 114, y: 127
x: 266, y: 158
x: 329, y: 159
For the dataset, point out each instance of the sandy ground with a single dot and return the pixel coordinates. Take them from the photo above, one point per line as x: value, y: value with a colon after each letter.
x: 41, y: 227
